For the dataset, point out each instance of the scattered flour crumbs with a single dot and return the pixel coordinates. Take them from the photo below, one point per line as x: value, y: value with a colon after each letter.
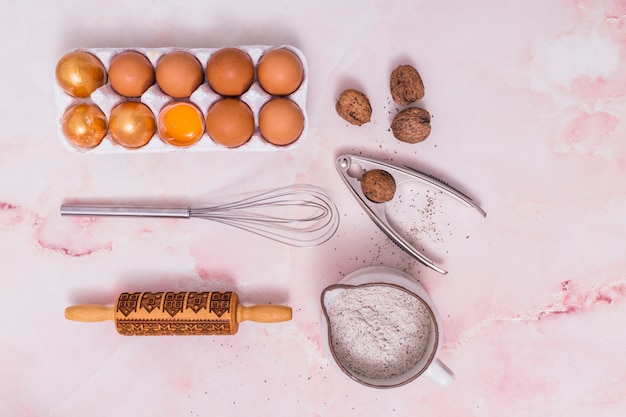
x: 379, y: 331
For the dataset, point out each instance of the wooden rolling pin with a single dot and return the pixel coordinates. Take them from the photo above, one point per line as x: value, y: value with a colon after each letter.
x: 178, y: 313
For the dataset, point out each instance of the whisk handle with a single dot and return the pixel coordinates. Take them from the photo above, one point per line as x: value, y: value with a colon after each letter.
x: 124, y: 211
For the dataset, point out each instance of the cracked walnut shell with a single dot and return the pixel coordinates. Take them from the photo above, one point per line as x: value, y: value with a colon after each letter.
x: 354, y: 107
x: 378, y: 185
x: 411, y: 125
x: 406, y: 85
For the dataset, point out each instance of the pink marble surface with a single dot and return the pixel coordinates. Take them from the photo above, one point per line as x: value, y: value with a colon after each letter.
x: 529, y: 118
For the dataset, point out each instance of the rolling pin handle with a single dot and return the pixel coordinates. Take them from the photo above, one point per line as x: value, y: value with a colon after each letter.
x: 90, y: 313
x: 264, y: 313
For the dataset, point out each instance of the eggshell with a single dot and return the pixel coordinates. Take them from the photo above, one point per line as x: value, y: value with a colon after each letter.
x: 281, y: 121
x: 230, y: 122
x: 131, y: 73
x: 132, y: 124
x: 280, y: 72
x: 179, y: 74
x: 80, y: 73
x: 180, y: 124
x: 230, y: 72
x: 84, y: 125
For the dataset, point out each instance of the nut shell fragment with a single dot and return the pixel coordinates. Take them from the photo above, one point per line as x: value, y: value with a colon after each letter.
x: 378, y: 186
x: 411, y: 125
x: 406, y: 85
x: 354, y: 107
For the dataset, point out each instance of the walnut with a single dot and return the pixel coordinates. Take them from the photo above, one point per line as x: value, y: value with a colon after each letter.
x: 406, y: 85
x: 378, y: 185
x: 411, y: 125
x: 354, y: 107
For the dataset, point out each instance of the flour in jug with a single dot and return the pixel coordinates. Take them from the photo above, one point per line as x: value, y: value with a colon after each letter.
x: 379, y: 331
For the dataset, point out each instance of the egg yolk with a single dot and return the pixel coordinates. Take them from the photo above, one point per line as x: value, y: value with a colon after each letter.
x: 181, y: 125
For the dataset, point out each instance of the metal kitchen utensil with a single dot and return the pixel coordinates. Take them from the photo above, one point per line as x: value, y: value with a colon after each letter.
x: 299, y: 215
x: 377, y: 212
x: 178, y: 313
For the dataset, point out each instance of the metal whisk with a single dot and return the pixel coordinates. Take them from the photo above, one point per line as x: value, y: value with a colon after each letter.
x: 299, y: 215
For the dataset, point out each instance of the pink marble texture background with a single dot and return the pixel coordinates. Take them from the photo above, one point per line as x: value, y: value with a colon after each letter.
x: 529, y: 118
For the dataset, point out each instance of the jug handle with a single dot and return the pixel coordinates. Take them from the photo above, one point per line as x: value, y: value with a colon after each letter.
x: 440, y: 373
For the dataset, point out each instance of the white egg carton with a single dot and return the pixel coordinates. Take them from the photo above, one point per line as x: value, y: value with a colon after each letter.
x: 106, y: 98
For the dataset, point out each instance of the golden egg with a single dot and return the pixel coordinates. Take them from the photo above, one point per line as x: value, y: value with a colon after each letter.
x: 281, y: 121
x: 180, y: 124
x: 132, y: 124
x: 84, y: 125
x: 131, y: 73
x: 280, y: 72
x: 80, y: 73
x: 179, y: 73
x: 230, y: 122
x: 230, y: 72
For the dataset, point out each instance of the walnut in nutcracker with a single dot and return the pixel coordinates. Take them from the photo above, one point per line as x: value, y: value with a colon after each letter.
x: 354, y: 107
x: 378, y: 185
x: 411, y: 125
x: 406, y: 85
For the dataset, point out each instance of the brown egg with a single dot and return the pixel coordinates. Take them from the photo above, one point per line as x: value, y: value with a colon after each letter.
x: 230, y: 122
x: 132, y: 124
x: 80, y: 73
x: 180, y: 124
x: 131, y: 73
x: 84, y: 125
x: 280, y: 72
x: 230, y: 72
x: 179, y: 73
x: 281, y: 121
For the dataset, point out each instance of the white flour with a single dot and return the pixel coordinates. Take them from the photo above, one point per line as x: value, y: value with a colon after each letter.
x: 379, y: 331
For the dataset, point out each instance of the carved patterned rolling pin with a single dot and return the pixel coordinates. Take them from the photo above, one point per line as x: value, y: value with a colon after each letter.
x: 178, y: 313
